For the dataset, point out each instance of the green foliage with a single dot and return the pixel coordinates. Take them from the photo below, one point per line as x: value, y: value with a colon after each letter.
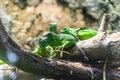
x: 85, y: 34
x: 78, y: 33
x: 67, y: 30
x: 52, y: 42
x: 1, y: 62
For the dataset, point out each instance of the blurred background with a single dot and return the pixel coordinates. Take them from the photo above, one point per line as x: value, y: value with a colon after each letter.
x: 25, y: 20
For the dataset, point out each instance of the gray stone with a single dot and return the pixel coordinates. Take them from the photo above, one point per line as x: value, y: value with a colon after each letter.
x: 94, y: 8
x: 20, y: 3
x: 6, y: 19
x: 33, y: 2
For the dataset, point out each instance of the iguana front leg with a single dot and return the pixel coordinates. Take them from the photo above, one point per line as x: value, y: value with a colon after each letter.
x: 51, y: 53
x: 64, y: 46
x: 37, y: 50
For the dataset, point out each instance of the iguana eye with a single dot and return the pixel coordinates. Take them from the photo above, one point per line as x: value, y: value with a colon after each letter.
x: 42, y: 38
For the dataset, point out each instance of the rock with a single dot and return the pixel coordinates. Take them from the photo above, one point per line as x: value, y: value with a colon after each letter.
x: 94, y: 8
x: 24, y: 3
x: 33, y: 2
x: 10, y: 73
x: 7, y: 22
x: 114, y: 10
x: 73, y: 5
x: 33, y: 42
x: 6, y: 19
x: 6, y: 3
x: 32, y: 19
x: 20, y: 3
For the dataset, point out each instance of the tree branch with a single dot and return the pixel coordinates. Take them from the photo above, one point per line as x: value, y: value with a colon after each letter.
x: 14, y: 55
x: 99, y: 47
x: 25, y: 60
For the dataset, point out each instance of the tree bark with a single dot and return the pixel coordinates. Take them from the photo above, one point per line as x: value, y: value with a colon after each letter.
x: 99, y: 46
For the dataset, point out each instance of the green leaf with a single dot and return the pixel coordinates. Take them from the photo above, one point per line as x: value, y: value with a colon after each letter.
x: 1, y: 62
x: 86, y: 34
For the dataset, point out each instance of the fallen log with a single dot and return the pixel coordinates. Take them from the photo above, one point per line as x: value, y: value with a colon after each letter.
x: 99, y: 47
x: 14, y: 55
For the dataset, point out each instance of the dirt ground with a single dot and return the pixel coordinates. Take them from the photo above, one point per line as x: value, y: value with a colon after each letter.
x: 31, y: 21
